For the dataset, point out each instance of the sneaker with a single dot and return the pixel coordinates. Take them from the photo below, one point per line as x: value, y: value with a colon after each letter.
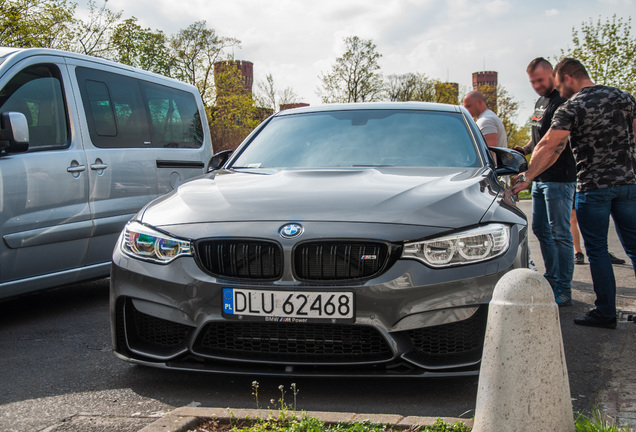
x: 616, y: 260
x: 594, y: 319
x: 563, y: 299
x: 531, y: 265
x: 579, y: 258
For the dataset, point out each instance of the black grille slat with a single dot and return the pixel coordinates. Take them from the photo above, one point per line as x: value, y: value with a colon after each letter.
x: 238, y: 258
x: 339, y: 260
x: 292, y: 342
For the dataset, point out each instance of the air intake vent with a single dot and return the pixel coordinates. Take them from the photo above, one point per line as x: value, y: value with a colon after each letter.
x: 288, y: 342
x: 448, y: 344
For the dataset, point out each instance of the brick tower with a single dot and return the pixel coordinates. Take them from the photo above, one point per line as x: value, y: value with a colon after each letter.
x: 486, y: 82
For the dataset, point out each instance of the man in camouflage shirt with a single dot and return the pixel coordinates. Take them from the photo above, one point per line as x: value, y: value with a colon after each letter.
x: 599, y: 122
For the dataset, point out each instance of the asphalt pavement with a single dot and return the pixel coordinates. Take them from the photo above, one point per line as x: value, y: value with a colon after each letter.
x: 601, y: 367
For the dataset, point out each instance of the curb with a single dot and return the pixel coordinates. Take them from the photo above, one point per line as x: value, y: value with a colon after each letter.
x: 185, y: 418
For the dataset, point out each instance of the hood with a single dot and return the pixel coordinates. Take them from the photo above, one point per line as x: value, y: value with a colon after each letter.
x: 443, y: 197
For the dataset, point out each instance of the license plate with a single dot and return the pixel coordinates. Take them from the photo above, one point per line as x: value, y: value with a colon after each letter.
x: 288, y: 306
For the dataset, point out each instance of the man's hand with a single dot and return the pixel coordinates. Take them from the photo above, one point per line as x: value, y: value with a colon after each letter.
x: 520, y: 183
x: 520, y: 150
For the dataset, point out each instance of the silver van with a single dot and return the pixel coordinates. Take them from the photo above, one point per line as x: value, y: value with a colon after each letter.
x: 84, y: 144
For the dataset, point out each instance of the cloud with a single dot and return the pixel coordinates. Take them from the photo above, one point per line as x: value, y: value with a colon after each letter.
x: 298, y: 40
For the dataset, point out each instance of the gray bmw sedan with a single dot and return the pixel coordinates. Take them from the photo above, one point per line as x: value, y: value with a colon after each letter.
x: 358, y: 240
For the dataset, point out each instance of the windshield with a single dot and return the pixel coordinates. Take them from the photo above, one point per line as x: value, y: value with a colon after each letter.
x: 362, y: 138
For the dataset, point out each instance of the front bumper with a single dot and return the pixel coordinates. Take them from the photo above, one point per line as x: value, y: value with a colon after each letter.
x: 409, y: 321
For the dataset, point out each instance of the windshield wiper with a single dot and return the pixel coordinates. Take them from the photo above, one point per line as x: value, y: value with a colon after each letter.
x: 370, y: 166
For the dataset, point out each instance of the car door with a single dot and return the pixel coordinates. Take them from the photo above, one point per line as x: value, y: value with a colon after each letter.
x: 121, y: 165
x: 45, y: 220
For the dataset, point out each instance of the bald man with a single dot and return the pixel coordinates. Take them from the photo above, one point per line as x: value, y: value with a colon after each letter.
x: 489, y: 124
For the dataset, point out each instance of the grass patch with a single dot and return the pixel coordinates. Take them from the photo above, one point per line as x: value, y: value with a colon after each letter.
x: 286, y: 422
x: 524, y: 195
x: 598, y: 422
x: 305, y: 423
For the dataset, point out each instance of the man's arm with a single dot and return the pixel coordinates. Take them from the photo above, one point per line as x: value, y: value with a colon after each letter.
x: 546, y: 152
x: 491, y: 139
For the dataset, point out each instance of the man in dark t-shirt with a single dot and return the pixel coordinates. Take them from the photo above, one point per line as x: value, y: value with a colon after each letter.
x: 599, y: 122
x: 552, y: 190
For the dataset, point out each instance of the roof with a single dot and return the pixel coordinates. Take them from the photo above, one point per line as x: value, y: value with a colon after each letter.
x: 419, y: 106
x: 14, y: 55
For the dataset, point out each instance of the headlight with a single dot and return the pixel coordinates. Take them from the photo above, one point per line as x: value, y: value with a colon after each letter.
x: 142, y: 242
x: 479, y: 244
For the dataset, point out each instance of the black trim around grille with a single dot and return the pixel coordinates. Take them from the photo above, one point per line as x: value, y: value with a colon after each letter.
x: 459, y: 342
x: 339, y: 260
x: 290, y: 342
x: 240, y: 258
x: 146, y: 333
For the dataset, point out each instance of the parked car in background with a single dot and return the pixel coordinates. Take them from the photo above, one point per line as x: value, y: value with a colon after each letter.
x: 357, y: 240
x: 84, y: 144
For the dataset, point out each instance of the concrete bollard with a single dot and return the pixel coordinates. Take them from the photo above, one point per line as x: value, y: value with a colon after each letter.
x: 523, y: 381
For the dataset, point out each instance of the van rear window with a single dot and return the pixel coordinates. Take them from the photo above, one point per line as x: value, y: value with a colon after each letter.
x: 174, y: 116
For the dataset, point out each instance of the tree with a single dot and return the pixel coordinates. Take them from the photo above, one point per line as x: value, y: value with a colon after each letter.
x: 92, y: 37
x: 268, y: 96
x: 518, y: 136
x: 608, y: 51
x: 447, y: 93
x: 36, y: 23
x: 507, y: 108
x: 265, y: 94
x: 142, y: 48
x: 288, y: 96
x: 355, y: 76
x: 410, y: 87
x: 234, y: 114
x: 195, y: 49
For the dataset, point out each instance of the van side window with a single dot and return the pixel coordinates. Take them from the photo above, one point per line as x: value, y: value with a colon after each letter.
x: 123, y: 111
x: 101, y: 108
x: 37, y: 93
x: 114, y: 109
x: 174, y: 117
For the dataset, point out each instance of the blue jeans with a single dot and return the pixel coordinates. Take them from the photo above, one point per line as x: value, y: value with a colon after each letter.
x: 551, y: 210
x: 593, y: 209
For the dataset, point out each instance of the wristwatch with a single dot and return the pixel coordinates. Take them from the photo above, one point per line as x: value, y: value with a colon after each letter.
x: 523, y: 178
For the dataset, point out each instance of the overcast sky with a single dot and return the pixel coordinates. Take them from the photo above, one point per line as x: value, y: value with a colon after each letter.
x: 297, y: 40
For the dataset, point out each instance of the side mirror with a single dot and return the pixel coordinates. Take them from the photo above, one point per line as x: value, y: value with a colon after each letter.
x: 509, y: 161
x: 14, y: 132
x: 219, y: 159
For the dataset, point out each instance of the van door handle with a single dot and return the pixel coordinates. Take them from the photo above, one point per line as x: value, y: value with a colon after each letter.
x: 76, y: 169
x: 99, y: 166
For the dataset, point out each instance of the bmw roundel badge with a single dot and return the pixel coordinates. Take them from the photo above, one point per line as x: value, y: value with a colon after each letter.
x: 290, y: 230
